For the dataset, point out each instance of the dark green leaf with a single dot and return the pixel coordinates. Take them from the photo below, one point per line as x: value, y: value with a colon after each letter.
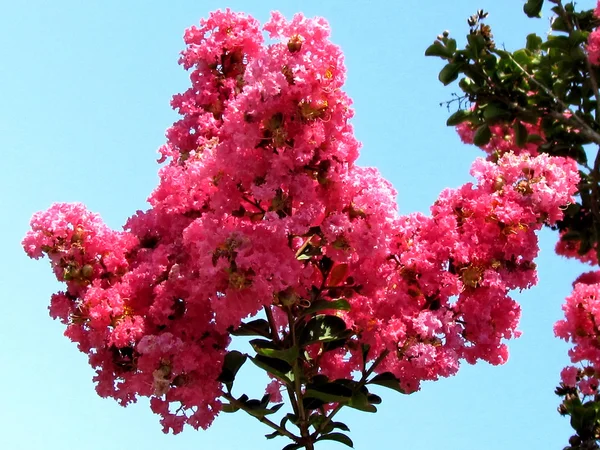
x: 232, y: 363
x: 449, y: 73
x: 312, y: 403
x: 365, y: 353
x: 522, y: 57
x: 340, y: 426
x: 322, y: 328
x: 258, y: 327
x: 476, y: 45
x: 577, y: 37
x: 571, y: 235
x: 333, y: 425
x: 534, y: 42
x: 274, y: 434
x: 338, y: 437
x: 482, y: 136
x: 533, y: 8
x: 259, y: 408
x: 438, y: 49
x: 585, y: 245
x: 374, y: 399
x: 451, y: 44
x: 276, y: 367
x: 458, y: 117
x: 338, y: 343
x: 322, y: 305
x: 229, y: 408
x: 558, y: 42
x: 534, y: 138
x: 329, y: 393
x: 292, y: 447
x: 270, y: 349
x: 520, y: 133
x: 388, y: 380
x: 494, y: 112
x: 361, y: 402
x: 559, y: 24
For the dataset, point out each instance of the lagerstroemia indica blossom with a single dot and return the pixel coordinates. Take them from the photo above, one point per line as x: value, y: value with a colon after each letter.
x: 258, y: 192
x: 581, y: 327
x: 593, y: 45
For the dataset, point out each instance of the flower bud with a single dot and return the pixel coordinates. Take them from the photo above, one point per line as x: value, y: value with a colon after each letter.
x: 87, y: 271
x: 295, y: 43
x: 498, y: 183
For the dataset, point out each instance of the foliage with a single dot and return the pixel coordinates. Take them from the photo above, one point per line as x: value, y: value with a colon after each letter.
x: 544, y: 99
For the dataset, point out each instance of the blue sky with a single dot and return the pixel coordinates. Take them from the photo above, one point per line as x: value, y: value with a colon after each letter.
x: 85, y: 90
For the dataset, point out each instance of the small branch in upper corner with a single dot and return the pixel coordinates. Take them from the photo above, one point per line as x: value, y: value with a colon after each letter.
x: 462, y: 100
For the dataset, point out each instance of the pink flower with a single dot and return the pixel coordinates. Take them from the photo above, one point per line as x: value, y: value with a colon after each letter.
x: 593, y: 47
x: 569, y: 376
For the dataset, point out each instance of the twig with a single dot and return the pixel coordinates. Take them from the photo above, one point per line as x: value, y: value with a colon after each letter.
x: 262, y: 419
x: 360, y: 384
x: 585, y: 128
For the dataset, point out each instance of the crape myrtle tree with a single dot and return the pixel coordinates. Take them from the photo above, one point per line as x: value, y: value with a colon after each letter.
x: 544, y: 100
x: 262, y: 228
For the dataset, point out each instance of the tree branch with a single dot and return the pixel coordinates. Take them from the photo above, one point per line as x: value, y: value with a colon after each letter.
x: 261, y: 419
x: 360, y: 384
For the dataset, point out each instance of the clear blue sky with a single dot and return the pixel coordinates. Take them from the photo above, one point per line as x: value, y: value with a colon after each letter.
x: 85, y: 90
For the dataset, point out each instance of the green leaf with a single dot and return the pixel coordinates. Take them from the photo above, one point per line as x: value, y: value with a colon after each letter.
x: 520, y: 133
x: 259, y: 408
x: 533, y: 8
x: 268, y: 348
x: 534, y: 42
x: 340, y: 426
x: 494, y: 112
x: 388, y: 380
x: 482, y: 136
x: 374, y: 399
x: 331, y: 426
x: 322, y: 328
x: 229, y: 408
x: 276, y: 367
x: 449, y: 73
x: 439, y: 49
x: 292, y: 447
x: 231, y: 364
x: 340, y: 304
x: 559, y: 24
x: 577, y: 37
x: 571, y: 235
x: 558, y: 42
x: 522, y: 57
x: 460, y: 116
x: 273, y: 435
x: 360, y: 401
x: 534, y: 138
x: 476, y: 45
x: 329, y: 393
x: 451, y: 44
x: 365, y: 353
x: 338, y: 437
x: 258, y: 327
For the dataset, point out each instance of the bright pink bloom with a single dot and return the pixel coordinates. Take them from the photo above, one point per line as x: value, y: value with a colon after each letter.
x: 260, y: 204
x: 593, y: 47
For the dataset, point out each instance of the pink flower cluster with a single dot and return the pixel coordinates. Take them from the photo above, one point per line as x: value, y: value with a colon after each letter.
x: 581, y: 328
x: 260, y: 205
x: 593, y: 45
x: 503, y: 139
x: 446, y: 277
